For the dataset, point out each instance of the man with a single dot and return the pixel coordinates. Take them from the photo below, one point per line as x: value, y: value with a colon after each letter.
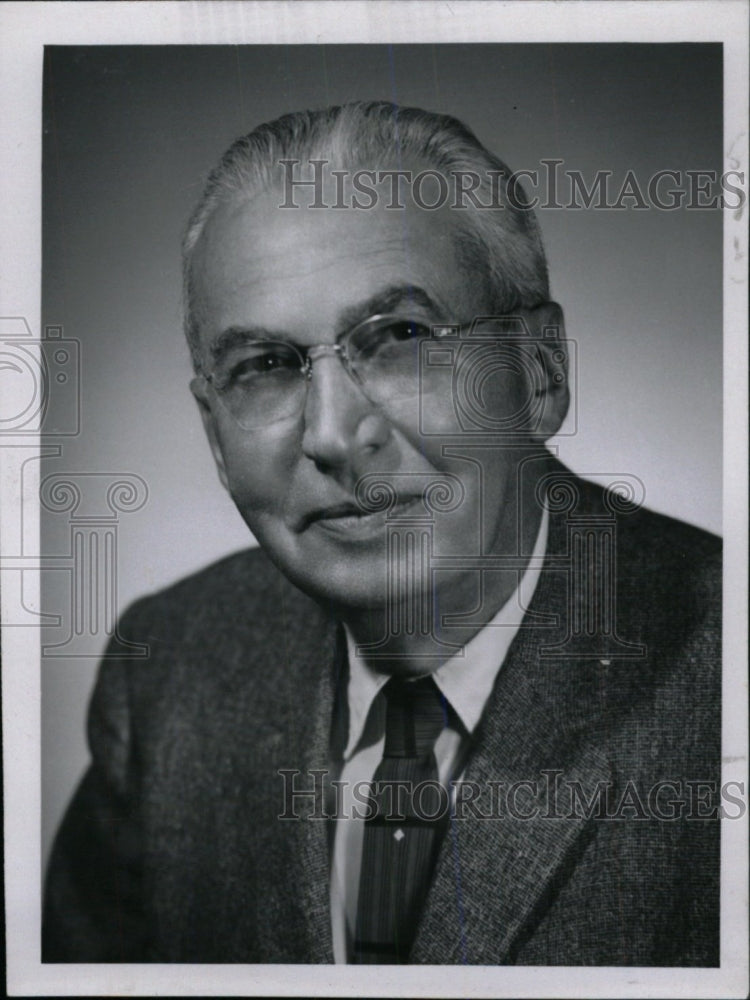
x: 457, y: 706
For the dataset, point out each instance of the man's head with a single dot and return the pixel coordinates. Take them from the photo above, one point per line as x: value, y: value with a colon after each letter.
x: 501, y: 248
x: 307, y: 276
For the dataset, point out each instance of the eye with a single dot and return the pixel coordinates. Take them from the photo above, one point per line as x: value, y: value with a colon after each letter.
x: 398, y: 331
x: 257, y: 363
x: 390, y: 337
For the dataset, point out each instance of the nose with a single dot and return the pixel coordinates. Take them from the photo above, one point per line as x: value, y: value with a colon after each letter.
x: 342, y: 428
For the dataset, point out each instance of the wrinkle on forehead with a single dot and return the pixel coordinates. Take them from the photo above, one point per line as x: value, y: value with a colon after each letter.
x: 255, y: 260
x: 367, y: 232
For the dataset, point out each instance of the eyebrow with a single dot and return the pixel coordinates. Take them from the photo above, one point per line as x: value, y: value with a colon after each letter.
x: 236, y: 336
x: 385, y: 301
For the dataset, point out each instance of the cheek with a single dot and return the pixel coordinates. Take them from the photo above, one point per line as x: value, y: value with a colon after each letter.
x: 260, y: 469
x: 485, y: 393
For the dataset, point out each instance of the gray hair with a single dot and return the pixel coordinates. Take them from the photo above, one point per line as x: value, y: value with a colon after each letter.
x: 500, y: 245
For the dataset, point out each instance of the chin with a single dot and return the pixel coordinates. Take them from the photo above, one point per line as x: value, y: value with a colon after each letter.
x: 352, y: 574
x: 337, y: 582
x: 345, y: 590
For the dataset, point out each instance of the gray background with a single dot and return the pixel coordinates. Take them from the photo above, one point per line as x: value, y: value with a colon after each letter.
x: 130, y: 133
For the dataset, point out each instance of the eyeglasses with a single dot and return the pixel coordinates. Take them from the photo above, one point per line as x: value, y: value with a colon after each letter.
x: 263, y: 381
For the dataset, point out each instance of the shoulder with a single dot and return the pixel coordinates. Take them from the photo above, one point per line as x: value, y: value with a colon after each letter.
x: 643, y: 625
x: 669, y: 563
x: 655, y: 549
x: 653, y: 579
x: 249, y: 569
x: 670, y: 541
x: 663, y: 582
x: 245, y: 583
x: 204, y: 626
x: 207, y: 646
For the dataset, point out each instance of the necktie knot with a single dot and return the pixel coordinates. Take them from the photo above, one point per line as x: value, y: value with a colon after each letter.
x: 416, y: 714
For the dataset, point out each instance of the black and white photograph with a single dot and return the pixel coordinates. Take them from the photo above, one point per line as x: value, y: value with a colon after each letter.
x: 374, y: 535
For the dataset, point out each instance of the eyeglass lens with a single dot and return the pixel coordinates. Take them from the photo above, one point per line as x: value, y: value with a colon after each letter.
x: 262, y: 382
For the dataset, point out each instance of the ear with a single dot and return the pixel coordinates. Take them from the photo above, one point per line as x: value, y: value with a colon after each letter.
x: 547, y: 327
x: 198, y: 389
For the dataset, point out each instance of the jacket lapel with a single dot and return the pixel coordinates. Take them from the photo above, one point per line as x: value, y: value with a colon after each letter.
x: 498, y: 870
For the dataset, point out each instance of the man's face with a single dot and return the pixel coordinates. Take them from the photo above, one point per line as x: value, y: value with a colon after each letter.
x: 307, y: 276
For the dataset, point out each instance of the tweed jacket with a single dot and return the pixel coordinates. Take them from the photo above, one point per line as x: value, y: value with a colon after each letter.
x: 172, y: 849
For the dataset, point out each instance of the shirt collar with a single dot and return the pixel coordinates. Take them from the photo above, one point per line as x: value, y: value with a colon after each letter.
x: 467, y: 678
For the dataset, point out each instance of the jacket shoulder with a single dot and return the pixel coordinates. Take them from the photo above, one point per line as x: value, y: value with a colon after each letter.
x: 672, y: 562
x: 195, y: 632
x: 660, y: 578
x: 244, y: 580
x: 656, y: 546
x: 669, y: 536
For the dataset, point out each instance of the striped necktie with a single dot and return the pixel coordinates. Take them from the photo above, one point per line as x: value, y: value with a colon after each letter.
x: 408, y: 815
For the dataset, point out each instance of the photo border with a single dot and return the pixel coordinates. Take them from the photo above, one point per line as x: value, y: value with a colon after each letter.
x: 24, y: 29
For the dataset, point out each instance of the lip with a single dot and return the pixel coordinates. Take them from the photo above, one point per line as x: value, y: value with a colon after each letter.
x: 349, y: 520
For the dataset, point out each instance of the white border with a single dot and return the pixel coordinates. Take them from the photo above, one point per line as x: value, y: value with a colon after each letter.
x: 24, y: 29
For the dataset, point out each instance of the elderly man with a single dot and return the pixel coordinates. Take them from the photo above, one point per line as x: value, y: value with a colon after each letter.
x: 460, y: 706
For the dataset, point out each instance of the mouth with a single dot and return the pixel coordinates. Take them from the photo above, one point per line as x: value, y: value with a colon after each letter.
x: 350, y: 520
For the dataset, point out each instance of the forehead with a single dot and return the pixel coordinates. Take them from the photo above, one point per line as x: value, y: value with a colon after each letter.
x: 300, y: 271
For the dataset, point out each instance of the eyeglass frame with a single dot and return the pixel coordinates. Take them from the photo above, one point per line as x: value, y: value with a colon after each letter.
x: 308, y: 355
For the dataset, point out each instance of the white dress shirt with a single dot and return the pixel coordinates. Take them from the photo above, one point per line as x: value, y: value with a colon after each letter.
x: 466, y: 681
